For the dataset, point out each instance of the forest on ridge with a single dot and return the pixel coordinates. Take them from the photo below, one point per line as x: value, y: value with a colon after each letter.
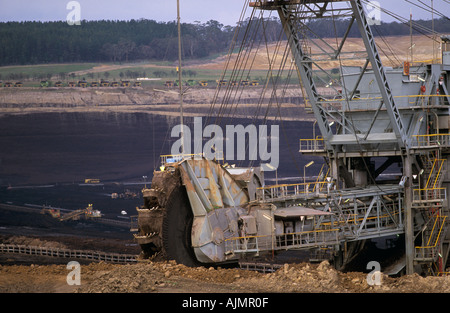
x: 123, y: 41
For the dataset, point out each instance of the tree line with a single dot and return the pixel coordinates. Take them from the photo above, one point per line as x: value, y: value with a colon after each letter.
x: 99, y: 41
x: 122, y: 41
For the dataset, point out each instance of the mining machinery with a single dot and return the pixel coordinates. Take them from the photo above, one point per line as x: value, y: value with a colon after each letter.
x: 199, y: 212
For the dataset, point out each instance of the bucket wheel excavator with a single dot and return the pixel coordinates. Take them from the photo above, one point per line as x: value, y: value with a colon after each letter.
x: 192, y: 207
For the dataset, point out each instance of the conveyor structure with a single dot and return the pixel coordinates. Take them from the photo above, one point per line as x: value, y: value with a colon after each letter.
x: 373, y: 118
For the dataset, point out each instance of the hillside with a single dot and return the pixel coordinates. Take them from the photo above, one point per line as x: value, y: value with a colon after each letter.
x: 393, y: 50
x: 24, y: 43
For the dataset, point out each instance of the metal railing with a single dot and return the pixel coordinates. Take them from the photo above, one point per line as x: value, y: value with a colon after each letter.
x: 247, y: 244
x: 312, y: 145
x: 67, y: 253
x: 286, y: 191
x: 305, y: 239
x: 422, y: 141
x: 173, y: 158
x: 429, y: 195
x: 297, y: 240
x: 260, y: 267
x: 356, y: 219
x: 430, y: 250
x: 435, y: 173
x: 419, y: 141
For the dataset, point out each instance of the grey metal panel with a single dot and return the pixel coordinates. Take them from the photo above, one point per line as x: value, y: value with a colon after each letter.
x: 299, y: 211
x: 385, y: 89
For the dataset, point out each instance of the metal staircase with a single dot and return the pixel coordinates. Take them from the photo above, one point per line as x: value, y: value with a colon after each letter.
x: 430, y: 253
x: 429, y: 192
x: 431, y: 201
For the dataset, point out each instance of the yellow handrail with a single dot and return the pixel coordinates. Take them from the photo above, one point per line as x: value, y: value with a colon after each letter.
x: 428, y: 189
x: 432, y: 231
x: 429, y: 177
x: 418, y: 197
x: 318, y: 176
x: 438, y: 236
x: 432, y: 139
x: 312, y: 144
x: 435, y: 164
x: 432, y: 135
x: 439, y: 173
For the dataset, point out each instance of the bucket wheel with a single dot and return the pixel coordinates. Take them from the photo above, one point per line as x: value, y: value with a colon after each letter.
x: 177, y: 228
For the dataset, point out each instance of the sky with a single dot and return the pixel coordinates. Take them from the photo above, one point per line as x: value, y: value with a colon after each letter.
x: 226, y: 12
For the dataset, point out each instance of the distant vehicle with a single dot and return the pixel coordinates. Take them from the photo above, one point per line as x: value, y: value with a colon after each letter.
x: 51, y: 211
x: 91, y: 181
x: 82, y: 83
x: 90, y: 212
x: 222, y: 82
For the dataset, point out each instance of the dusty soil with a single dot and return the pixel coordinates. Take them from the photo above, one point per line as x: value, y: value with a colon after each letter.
x: 168, y: 277
x: 393, y: 51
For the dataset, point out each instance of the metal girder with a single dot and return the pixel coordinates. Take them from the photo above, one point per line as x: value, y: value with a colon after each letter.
x: 275, y: 4
x: 380, y: 75
x: 305, y: 71
x: 291, y: 12
x: 363, y: 223
x: 288, y: 13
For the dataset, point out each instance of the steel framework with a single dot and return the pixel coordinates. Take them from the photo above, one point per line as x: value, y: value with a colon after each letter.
x: 375, y: 117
